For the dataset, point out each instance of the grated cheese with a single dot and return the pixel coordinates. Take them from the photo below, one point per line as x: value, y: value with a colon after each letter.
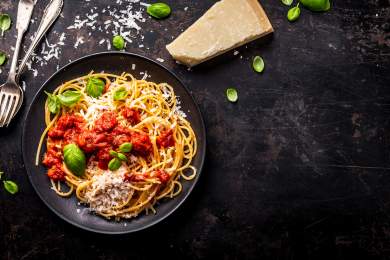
x: 108, y: 190
x: 123, y: 17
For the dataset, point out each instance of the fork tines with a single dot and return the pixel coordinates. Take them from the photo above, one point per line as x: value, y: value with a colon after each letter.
x: 8, y: 105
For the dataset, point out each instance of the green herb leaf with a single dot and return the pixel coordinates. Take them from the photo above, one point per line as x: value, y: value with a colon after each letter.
x: 258, y: 64
x: 294, y: 13
x: 114, y: 164
x: 118, y: 42
x: 95, y: 87
x: 126, y: 147
x: 69, y: 97
x: 159, y: 10
x: 1, y: 174
x: 316, y: 5
x: 74, y: 159
x: 11, y: 187
x: 232, y: 94
x: 287, y: 2
x: 113, y: 153
x: 5, y: 23
x: 122, y: 157
x: 120, y: 94
x: 3, y: 58
x: 53, y: 103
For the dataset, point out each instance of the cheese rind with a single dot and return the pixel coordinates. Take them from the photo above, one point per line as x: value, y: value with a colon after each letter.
x: 226, y: 25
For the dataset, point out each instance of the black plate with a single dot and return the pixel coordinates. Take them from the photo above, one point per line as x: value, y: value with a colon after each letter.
x: 66, y: 208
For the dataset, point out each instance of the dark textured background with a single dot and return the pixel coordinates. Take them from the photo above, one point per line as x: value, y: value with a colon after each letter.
x: 298, y: 169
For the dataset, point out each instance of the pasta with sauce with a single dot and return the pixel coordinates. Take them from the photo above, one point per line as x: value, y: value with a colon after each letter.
x: 145, y: 117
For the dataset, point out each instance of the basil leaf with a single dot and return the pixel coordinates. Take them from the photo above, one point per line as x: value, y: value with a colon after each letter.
x: 122, y: 157
x: 74, y: 159
x: 3, y: 58
x: 11, y: 187
x: 287, y: 2
x: 53, y: 103
x: 69, y: 97
x: 126, y: 147
x: 114, y: 164
x: 113, y: 154
x: 294, y: 13
x: 5, y: 23
x: 118, y: 42
x: 316, y: 5
x: 120, y: 94
x: 159, y: 10
x: 258, y: 64
x: 95, y: 87
x: 232, y: 94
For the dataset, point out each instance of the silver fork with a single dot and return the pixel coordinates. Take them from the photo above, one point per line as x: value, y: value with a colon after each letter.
x: 11, y: 92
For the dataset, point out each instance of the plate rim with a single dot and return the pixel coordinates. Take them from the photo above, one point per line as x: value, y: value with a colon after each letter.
x: 154, y: 222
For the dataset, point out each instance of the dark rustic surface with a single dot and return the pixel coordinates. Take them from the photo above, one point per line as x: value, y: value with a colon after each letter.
x: 299, y: 168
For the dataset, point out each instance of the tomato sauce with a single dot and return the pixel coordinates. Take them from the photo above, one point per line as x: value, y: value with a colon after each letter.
x: 163, y: 176
x: 131, y: 177
x: 106, y: 135
x: 90, y: 141
x: 165, y: 139
x: 65, y: 131
x: 141, y: 143
x: 103, y: 156
x: 53, y: 157
x: 132, y: 115
x: 56, y: 174
x: 106, y: 122
x: 67, y: 127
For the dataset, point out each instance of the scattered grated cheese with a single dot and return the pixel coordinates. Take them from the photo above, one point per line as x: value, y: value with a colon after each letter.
x: 79, y: 40
x: 125, y: 18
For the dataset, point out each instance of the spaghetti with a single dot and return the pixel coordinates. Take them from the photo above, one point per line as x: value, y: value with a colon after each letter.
x: 148, y: 117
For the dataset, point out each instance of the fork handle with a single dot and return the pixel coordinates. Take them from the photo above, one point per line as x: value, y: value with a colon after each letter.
x: 25, y: 10
x: 50, y: 14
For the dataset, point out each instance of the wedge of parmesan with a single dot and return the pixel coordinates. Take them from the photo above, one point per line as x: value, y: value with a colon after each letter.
x: 226, y: 25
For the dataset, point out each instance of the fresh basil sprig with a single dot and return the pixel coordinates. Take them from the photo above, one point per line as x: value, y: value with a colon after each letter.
x: 159, y: 10
x: 118, y: 42
x: 95, y: 87
x: 74, y: 159
x: 316, y: 5
x: 5, y: 23
x: 119, y: 157
x: 69, y: 97
x: 53, y: 103
x: 3, y: 58
x: 120, y: 94
x: 294, y: 13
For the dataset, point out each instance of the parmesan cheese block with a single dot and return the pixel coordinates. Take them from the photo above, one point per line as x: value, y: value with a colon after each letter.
x: 225, y: 26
